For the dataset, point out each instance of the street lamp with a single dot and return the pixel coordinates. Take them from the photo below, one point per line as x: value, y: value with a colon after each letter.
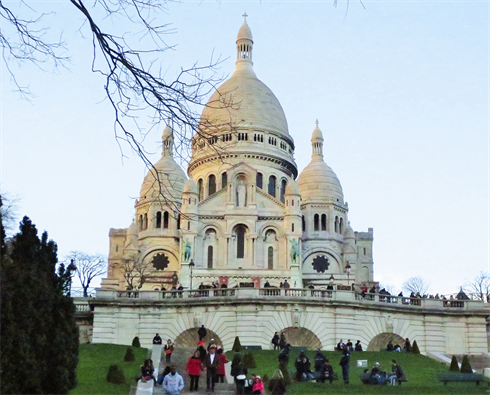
x: 331, y: 278
x: 347, y: 270
x: 191, y: 265
x: 175, y: 278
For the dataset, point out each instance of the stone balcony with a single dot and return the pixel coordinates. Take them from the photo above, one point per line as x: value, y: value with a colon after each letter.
x: 291, y: 295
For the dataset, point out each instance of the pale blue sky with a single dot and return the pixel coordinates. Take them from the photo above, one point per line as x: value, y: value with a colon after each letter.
x: 401, y: 91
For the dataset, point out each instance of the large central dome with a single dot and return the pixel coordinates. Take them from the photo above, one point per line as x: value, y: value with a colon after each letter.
x: 245, y: 102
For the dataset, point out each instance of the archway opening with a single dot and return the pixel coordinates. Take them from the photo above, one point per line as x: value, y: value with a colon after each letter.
x: 302, y: 337
x: 189, y: 338
x: 379, y: 342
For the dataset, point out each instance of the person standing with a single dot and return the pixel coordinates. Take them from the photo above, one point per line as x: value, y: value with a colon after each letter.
x: 220, y: 372
x: 194, y: 367
x: 275, y: 341
x: 282, y: 341
x: 344, y: 362
x: 202, y: 332
x: 173, y: 382
x: 169, y: 348
x: 211, y: 364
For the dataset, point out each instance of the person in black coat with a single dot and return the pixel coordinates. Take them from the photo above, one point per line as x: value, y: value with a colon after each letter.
x: 157, y: 339
x: 202, y: 332
x: 319, y: 360
x: 275, y: 340
x: 326, y: 372
x: 302, y: 365
x: 344, y: 362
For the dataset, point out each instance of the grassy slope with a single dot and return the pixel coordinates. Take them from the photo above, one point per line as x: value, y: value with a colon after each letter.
x: 420, y: 371
x: 94, y: 363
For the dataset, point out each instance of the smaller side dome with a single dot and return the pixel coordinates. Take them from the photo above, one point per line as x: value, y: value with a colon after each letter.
x: 349, y: 232
x: 190, y: 186
x: 292, y: 188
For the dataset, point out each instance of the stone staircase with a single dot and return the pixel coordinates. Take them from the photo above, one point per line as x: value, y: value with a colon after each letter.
x: 180, y: 357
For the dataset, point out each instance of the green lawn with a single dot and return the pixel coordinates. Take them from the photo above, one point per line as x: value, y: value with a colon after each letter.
x: 93, y: 365
x: 420, y: 371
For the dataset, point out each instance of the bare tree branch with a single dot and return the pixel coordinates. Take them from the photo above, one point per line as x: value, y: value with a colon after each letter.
x: 416, y: 285
x: 88, y: 267
x: 479, y: 287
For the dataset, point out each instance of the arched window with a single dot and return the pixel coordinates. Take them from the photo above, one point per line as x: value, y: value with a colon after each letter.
x: 272, y: 186
x: 211, y: 184
x: 165, y: 220
x: 336, y: 224
x: 141, y: 223
x: 303, y: 223
x: 240, y: 241
x: 159, y: 219
x: 292, y: 227
x: 316, y: 222
x: 324, y: 221
x: 283, y: 189
x: 259, y: 180
x: 145, y: 221
x: 224, y: 180
x: 270, y: 258
x: 188, y: 225
x: 178, y: 222
x: 210, y: 257
x: 199, y: 188
x: 341, y: 225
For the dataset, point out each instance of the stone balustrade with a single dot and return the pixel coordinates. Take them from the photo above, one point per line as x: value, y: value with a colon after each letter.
x: 299, y: 294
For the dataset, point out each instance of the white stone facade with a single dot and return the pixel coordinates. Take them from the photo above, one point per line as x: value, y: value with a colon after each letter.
x: 241, y: 216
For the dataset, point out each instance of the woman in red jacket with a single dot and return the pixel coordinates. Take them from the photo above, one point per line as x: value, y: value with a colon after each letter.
x: 194, y: 367
x: 220, y: 372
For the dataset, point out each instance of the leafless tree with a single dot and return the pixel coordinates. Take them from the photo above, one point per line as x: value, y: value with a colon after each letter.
x: 416, y: 284
x: 8, y: 211
x: 479, y: 287
x: 135, y: 271
x: 88, y: 267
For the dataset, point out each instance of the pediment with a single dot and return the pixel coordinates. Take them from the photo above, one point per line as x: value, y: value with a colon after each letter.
x: 216, y: 200
x: 266, y: 202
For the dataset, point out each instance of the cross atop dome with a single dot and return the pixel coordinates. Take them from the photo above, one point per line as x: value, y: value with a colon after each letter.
x: 245, y: 17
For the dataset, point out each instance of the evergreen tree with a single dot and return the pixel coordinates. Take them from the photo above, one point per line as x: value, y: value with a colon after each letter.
x: 249, y: 361
x: 136, y: 342
x: 237, y: 347
x: 115, y: 375
x: 415, y: 348
x: 129, y: 356
x: 465, y: 365
x: 454, y: 364
x: 39, y: 337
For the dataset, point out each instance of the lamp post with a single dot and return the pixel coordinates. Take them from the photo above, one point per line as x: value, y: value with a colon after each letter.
x: 191, y: 265
x: 347, y: 270
x: 175, y: 279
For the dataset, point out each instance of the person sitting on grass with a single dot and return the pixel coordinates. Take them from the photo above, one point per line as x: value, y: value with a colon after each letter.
x: 397, y: 372
x: 377, y: 376
x: 302, y: 365
x: 326, y: 372
x: 277, y: 385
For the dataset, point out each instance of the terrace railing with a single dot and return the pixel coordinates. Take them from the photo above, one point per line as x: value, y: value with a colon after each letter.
x: 290, y: 293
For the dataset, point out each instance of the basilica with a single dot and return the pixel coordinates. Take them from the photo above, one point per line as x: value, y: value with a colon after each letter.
x: 242, y: 216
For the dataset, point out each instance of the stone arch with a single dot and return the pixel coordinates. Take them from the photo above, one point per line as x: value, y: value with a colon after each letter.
x: 302, y: 337
x: 189, y: 338
x: 379, y: 342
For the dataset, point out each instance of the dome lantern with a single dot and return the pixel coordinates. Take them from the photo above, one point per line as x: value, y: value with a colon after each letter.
x: 167, y: 141
x: 317, y: 143
x: 244, y: 42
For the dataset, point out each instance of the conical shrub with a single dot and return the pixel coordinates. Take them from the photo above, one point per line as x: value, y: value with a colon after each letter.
x: 115, y: 375
x: 465, y: 365
x: 237, y: 347
x: 129, y: 356
x: 415, y: 348
x: 283, y: 367
x: 454, y: 364
x: 249, y: 361
x: 136, y: 342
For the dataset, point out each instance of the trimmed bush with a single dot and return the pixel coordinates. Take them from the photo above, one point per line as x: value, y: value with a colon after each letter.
x: 265, y: 378
x: 136, y: 342
x: 465, y: 365
x: 129, y: 356
x: 249, y: 361
x: 415, y: 348
x: 115, y: 375
x: 283, y: 367
x: 237, y: 347
x: 454, y: 364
